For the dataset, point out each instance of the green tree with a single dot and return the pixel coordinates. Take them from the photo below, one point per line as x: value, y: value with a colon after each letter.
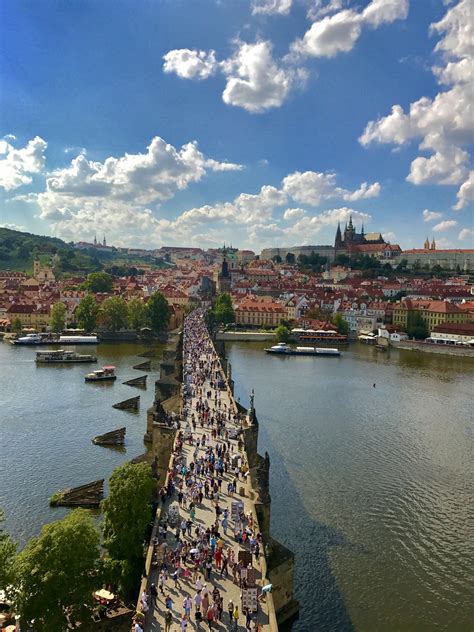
x: 416, y: 326
x: 57, y: 573
x: 137, y: 313
x: 114, y: 313
x: 223, y: 312
x: 159, y: 312
x: 277, y: 259
x: 17, y: 325
x: 7, y: 557
x: 341, y: 323
x: 58, y: 317
x: 290, y: 258
x: 127, y: 513
x: 282, y: 334
x: 86, y: 312
x: 98, y: 282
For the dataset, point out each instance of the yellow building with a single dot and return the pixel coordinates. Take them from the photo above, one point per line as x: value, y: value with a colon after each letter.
x: 31, y: 317
x: 259, y: 313
x: 433, y: 313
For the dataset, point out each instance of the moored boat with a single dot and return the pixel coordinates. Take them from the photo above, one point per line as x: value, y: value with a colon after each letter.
x: 283, y: 349
x: 61, y: 356
x: 35, y: 339
x: 79, y: 340
x: 105, y: 374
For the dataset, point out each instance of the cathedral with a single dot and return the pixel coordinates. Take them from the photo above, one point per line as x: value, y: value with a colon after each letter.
x: 351, y: 237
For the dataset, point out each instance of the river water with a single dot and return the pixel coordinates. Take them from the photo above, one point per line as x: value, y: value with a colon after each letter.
x: 48, y: 416
x: 371, y: 486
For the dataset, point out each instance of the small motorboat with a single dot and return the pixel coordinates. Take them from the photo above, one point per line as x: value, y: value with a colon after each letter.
x: 105, y: 374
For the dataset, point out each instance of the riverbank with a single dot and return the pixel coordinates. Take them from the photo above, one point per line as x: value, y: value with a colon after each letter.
x: 451, y: 350
x: 245, y: 336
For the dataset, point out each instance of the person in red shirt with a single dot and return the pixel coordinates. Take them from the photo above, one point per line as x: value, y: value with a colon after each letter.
x: 210, y: 616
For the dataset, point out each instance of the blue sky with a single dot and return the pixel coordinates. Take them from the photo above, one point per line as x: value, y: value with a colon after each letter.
x: 256, y: 122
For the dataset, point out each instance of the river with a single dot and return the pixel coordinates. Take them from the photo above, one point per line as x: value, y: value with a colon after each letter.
x: 371, y: 486
x: 48, y: 416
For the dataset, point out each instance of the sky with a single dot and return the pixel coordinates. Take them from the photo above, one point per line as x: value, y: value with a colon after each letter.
x: 256, y: 123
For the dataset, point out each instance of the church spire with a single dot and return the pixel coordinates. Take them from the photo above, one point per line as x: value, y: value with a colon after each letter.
x: 426, y: 245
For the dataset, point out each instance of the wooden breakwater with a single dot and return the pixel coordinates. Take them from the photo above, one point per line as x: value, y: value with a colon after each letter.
x: 143, y: 366
x: 88, y: 495
x: 133, y: 403
x: 114, y: 437
x: 137, y: 381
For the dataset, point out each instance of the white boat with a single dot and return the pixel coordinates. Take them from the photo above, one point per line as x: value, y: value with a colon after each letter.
x: 29, y: 339
x: 60, y: 356
x: 283, y: 349
x: 105, y: 374
x: 78, y: 340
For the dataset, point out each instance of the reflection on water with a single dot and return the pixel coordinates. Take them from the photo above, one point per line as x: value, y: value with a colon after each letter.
x: 48, y: 417
x: 377, y: 481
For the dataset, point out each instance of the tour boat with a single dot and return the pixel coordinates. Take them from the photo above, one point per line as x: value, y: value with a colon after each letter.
x: 318, y: 335
x: 79, y: 340
x: 283, y: 349
x: 59, y: 355
x: 105, y: 374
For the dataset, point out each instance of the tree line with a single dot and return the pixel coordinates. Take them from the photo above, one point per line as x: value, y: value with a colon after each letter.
x: 52, y: 580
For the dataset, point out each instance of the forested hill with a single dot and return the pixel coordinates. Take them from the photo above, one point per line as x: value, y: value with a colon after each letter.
x: 18, y: 250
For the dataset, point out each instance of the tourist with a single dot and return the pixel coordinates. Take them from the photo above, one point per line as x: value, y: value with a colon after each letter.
x: 235, y: 617
x: 210, y: 616
x: 168, y: 620
x: 187, y: 605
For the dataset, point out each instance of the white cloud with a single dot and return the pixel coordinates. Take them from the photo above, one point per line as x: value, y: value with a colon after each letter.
x: 16, y: 165
x: 255, y: 82
x: 465, y: 193
x: 138, y: 178
x: 308, y: 226
x: 112, y: 196
x: 22, y: 229
x: 332, y: 35
x: 191, y: 64
x: 380, y: 12
x: 293, y: 213
x: 444, y: 124
x: 312, y: 187
x: 466, y: 233
x: 271, y: 7
x: 429, y: 216
x: 446, y: 225
x: 389, y: 236
x: 363, y: 192
x: 338, y: 32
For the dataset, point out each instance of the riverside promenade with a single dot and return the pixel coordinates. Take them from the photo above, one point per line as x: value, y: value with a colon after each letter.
x: 207, y: 550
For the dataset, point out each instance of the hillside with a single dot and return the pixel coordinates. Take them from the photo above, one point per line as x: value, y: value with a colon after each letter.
x: 18, y: 250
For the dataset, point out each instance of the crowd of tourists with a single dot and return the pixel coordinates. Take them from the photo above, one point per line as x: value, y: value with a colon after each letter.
x: 207, y: 468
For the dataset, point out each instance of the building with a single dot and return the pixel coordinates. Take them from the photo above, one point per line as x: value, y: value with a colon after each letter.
x: 223, y: 276
x: 461, y: 259
x: 454, y: 333
x: 42, y: 273
x: 352, y: 238
x: 434, y: 313
x: 259, y: 313
x: 296, y: 251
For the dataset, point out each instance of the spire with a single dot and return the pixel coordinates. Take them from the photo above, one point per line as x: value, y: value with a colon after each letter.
x: 338, y: 239
x: 95, y: 240
x: 362, y: 230
x: 426, y: 245
x: 104, y: 242
x: 350, y: 222
x: 433, y: 245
